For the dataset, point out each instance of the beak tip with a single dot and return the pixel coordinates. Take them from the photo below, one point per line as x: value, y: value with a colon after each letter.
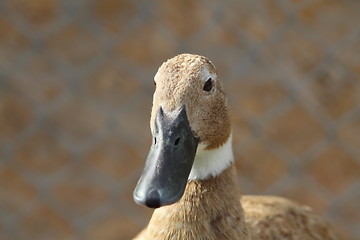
x: 151, y: 199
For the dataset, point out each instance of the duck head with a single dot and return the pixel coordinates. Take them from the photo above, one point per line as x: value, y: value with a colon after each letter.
x: 191, y: 130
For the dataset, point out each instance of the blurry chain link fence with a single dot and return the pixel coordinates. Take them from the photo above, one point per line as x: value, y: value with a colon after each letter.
x: 75, y: 98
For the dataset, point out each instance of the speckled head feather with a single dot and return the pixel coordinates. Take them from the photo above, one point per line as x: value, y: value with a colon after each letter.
x: 180, y: 81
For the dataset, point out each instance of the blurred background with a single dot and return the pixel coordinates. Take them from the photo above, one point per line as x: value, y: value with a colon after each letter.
x: 76, y: 84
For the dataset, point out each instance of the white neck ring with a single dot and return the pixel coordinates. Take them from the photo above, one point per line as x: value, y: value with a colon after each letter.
x: 210, y: 163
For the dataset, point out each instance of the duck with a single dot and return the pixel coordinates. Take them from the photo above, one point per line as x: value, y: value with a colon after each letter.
x: 189, y: 176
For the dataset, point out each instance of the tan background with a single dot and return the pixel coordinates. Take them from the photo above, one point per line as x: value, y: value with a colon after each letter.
x: 75, y: 97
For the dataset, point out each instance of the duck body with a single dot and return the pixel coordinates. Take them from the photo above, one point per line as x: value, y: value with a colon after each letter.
x: 270, y: 217
x: 189, y: 176
x: 212, y: 209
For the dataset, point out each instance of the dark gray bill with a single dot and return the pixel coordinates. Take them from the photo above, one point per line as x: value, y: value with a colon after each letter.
x: 169, y: 162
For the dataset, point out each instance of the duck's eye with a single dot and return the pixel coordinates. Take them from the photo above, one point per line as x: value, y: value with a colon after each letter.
x: 208, y: 85
x: 154, y: 84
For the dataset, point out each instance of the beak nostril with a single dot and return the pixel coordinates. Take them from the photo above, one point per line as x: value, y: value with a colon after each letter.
x: 177, y: 141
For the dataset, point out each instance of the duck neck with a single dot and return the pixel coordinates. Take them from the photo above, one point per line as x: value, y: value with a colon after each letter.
x: 209, y: 209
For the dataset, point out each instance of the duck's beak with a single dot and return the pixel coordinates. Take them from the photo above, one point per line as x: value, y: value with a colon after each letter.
x: 169, y: 162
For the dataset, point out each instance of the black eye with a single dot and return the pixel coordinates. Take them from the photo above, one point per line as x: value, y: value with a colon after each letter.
x: 208, y: 85
x: 154, y: 84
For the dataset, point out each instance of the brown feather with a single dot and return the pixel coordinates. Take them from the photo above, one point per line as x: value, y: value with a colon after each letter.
x: 271, y: 217
x: 210, y: 210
